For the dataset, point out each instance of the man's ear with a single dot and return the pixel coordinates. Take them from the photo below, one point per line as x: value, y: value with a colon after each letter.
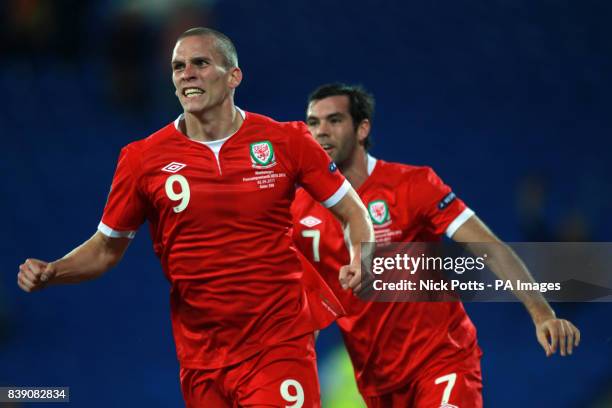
x: 235, y: 77
x: 363, y: 130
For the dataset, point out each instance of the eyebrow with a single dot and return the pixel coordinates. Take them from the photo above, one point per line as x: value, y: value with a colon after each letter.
x: 193, y: 59
x: 330, y: 116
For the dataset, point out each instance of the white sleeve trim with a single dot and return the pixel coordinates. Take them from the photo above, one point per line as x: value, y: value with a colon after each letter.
x: 458, y: 222
x: 338, y: 195
x: 109, y: 232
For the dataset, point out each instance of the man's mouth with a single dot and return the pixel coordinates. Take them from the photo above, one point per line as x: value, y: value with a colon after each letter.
x: 327, y: 147
x: 192, y: 92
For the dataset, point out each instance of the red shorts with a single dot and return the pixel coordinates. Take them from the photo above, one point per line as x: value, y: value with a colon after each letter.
x: 282, y: 375
x: 454, y: 388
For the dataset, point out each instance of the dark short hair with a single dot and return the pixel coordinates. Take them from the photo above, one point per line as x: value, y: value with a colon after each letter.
x: 224, y: 45
x: 361, y: 102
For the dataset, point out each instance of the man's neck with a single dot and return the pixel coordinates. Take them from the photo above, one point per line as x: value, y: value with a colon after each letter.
x: 217, y: 123
x: 356, y: 169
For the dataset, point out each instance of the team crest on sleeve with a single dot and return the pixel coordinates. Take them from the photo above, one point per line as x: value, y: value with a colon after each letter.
x: 262, y: 155
x: 379, y: 212
x: 173, y: 167
x: 310, y: 221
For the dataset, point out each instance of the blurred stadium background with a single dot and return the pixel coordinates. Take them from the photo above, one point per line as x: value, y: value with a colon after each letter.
x: 508, y: 100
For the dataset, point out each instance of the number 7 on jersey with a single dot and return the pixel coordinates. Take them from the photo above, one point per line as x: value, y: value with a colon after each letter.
x: 316, y: 238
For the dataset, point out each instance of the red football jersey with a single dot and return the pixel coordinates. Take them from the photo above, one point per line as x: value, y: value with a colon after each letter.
x: 221, y: 226
x: 391, y: 343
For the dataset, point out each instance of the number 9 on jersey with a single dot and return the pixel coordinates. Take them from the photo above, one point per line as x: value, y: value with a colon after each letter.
x: 184, y: 194
x: 292, y: 391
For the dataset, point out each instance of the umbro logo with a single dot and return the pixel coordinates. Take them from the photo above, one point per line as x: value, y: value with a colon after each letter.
x: 173, y: 167
x: 310, y: 221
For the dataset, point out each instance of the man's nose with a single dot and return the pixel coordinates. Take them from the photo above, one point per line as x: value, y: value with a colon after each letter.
x: 188, y: 72
x: 322, y: 130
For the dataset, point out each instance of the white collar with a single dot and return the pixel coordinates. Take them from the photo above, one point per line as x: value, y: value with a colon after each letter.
x: 371, y: 161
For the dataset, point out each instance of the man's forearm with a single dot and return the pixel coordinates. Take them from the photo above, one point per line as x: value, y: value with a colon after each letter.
x: 356, y: 223
x: 89, y: 260
x: 356, y: 231
x: 506, y: 265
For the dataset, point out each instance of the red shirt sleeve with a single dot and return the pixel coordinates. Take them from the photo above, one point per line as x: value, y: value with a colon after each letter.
x: 125, y: 208
x: 316, y: 172
x: 440, y: 208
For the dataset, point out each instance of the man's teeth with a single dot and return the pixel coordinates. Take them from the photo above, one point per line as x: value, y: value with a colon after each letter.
x: 191, y: 92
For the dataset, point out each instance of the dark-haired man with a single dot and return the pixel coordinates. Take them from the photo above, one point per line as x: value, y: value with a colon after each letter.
x: 216, y: 186
x: 404, y: 354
